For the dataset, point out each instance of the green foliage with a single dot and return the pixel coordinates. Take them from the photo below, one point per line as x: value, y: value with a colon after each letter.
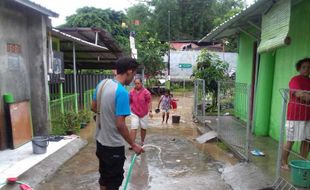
x: 84, y: 116
x: 66, y: 122
x: 151, y: 52
x: 72, y: 122
x: 211, y: 69
x: 142, y: 13
x: 179, y: 86
x: 189, y: 20
x: 58, y: 125
x: 102, y: 18
x: 225, y: 9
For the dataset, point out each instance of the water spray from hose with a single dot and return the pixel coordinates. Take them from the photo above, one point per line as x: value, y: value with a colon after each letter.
x: 134, y: 159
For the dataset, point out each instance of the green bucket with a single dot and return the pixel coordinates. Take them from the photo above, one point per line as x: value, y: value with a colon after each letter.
x: 300, y: 173
x: 8, y: 98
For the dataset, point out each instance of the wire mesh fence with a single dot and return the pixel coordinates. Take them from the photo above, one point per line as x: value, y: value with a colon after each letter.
x: 233, y: 124
x: 293, y: 163
x: 227, y: 113
x: 199, y: 100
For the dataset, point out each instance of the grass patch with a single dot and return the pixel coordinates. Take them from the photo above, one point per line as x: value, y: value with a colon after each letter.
x: 222, y: 146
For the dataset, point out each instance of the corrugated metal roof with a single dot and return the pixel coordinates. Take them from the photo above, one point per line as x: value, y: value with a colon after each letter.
x: 240, y: 20
x: 88, y: 54
x: 36, y: 7
x: 65, y: 36
x: 104, y: 38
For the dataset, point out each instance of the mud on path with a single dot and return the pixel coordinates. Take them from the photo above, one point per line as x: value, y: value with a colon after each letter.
x: 185, y: 164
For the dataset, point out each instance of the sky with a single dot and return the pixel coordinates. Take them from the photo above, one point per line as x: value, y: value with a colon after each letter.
x: 68, y: 7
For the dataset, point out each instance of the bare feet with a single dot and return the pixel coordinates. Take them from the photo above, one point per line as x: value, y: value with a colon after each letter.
x: 285, y: 167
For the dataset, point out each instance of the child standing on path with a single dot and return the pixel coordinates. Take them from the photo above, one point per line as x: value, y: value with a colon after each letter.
x: 165, y: 102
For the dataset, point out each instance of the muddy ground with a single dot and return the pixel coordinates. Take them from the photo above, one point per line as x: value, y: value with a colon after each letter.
x: 181, y: 164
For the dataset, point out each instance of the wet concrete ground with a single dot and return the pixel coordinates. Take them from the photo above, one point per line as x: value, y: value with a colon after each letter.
x: 185, y: 164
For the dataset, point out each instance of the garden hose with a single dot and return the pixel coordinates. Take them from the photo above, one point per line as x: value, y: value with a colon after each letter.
x: 130, y: 170
x: 133, y: 163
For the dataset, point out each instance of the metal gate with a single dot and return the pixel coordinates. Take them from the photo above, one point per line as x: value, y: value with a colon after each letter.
x: 295, y: 115
x: 233, y: 118
x: 199, y: 100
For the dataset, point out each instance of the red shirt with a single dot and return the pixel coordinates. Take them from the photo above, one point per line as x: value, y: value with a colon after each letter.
x: 298, y: 110
x: 139, y: 101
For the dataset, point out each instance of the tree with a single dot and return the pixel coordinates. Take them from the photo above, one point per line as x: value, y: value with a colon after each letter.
x: 190, y: 19
x: 142, y: 13
x: 211, y: 69
x: 151, y: 52
x: 225, y: 9
x: 102, y: 18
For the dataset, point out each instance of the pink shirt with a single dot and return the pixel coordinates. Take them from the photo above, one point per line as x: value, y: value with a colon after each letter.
x: 139, y: 102
x: 298, y: 110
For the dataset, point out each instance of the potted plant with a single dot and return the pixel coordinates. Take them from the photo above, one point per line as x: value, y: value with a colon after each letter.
x: 71, y: 123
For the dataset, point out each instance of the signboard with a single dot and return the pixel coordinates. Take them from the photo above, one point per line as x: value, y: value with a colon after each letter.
x: 185, y: 65
x: 57, y: 76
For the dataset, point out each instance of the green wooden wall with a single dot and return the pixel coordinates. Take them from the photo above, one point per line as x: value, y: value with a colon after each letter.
x: 243, y: 75
x: 286, y: 57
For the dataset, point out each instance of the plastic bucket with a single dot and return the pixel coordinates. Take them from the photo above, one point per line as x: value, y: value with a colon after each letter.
x: 8, y: 98
x: 39, y: 144
x: 176, y: 119
x: 300, y: 173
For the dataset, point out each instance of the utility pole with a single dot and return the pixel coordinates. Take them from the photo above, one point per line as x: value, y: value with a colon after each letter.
x: 169, y: 47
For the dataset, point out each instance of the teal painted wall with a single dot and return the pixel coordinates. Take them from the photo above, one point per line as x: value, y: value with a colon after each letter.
x: 243, y: 75
x: 264, y: 94
x: 286, y: 57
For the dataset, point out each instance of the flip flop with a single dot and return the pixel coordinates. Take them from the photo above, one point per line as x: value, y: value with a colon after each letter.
x: 257, y: 152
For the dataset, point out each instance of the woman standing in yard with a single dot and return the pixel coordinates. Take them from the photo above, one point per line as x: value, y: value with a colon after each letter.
x: 298, y: 112
x: 141, y: 109
x: 165, y: 102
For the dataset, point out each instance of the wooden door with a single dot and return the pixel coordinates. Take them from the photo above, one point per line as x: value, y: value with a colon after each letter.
x: 21, y: 127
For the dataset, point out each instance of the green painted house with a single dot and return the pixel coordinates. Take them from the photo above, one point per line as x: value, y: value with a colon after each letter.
x: 273, y: 36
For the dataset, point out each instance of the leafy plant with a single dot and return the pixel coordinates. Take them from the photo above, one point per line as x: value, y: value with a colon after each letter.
x: 150, y: 53
x: 58, y: 125
x: 211, y: 69
x: 84, y: 116
x: 72, y: 122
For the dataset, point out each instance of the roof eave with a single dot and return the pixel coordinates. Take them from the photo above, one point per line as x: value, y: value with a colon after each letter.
x: 216, y: 31
x: 37, y: 7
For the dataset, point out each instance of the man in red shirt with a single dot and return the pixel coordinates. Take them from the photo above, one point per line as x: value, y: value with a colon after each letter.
x: 141, y: 109
x: 298, y: 112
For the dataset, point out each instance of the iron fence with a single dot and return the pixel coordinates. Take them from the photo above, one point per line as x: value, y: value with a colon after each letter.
x: 88, y: 97
x: 293, y: 164
x: 84, y: 82
x: 62, y: 105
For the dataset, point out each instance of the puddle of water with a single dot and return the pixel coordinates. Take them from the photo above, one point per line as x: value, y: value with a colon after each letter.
x: 184, y: 163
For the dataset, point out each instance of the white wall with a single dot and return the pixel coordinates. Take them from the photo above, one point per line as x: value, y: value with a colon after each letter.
x: 177, y: 57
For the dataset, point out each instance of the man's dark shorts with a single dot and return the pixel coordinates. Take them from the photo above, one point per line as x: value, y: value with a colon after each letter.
x: 111, y: 166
